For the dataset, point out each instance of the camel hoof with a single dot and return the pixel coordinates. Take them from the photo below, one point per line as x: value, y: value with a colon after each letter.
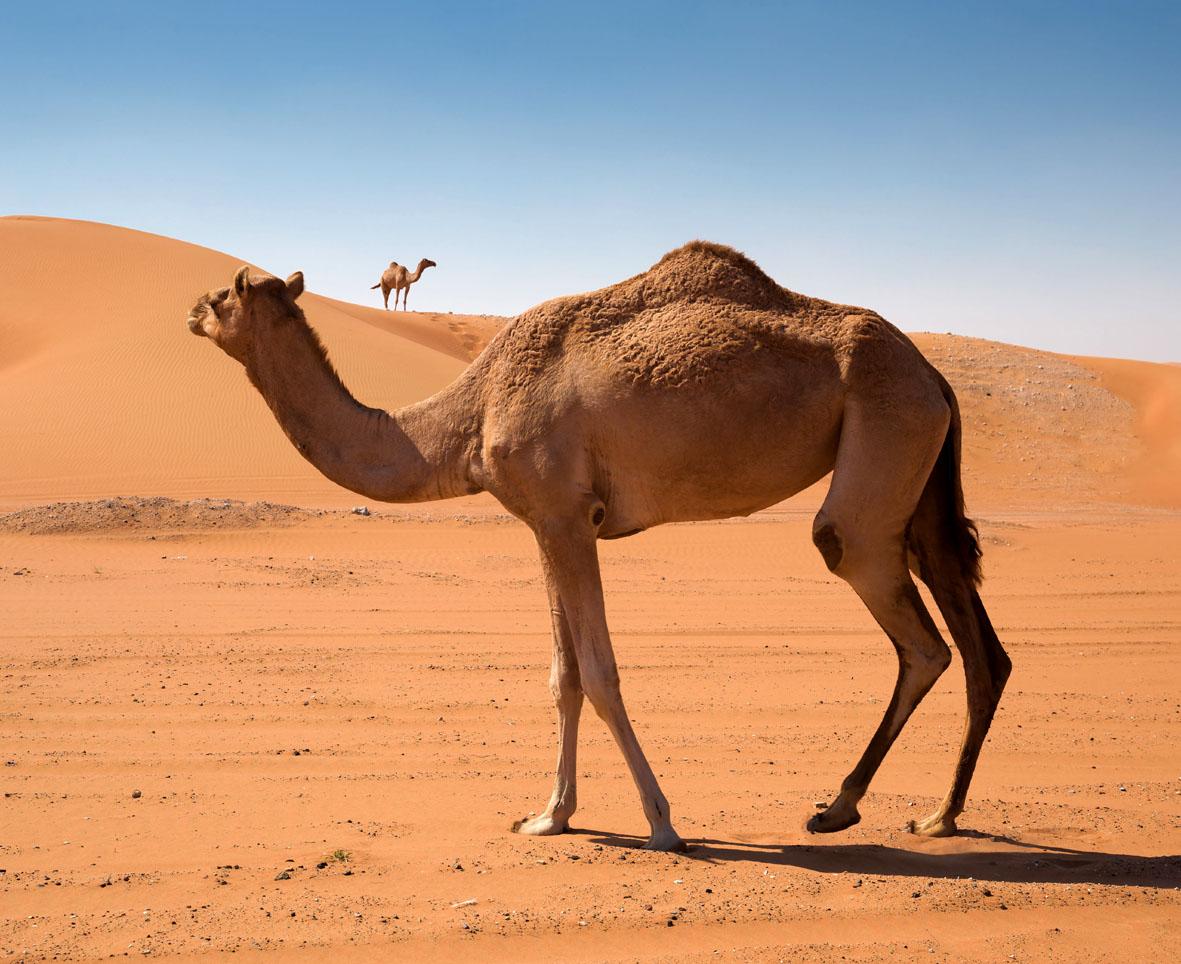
x: 542, y: 826
x: 934, y: 826
x: 666, y: 841
x: 832, y: 820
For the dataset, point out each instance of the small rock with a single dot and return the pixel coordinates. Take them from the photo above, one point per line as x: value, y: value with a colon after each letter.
x: 820, y: 805
x: 283, y: 875
x: 361, y: 510
x: 470, y: 902
x: 322, y: 864
x: 857, y: 883
x: 136, y: 794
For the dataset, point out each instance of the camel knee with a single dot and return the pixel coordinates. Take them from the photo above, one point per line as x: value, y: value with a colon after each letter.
x: 1002, y: 668
x: 925, y: 648
x: 565, y: 685
x: 602, y: 689
x: 932, y: 659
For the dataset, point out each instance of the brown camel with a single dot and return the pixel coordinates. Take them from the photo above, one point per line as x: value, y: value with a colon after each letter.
x: 697, y: 390
x: 397, y: 278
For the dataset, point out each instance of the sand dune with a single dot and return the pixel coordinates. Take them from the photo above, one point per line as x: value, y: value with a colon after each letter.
x: 459, y: 336
x: 104, y: 392
x: 1043, y: 429
x: 1154, y: 391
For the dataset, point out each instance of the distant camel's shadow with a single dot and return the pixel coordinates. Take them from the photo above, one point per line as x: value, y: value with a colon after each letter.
x: 1032, y: 863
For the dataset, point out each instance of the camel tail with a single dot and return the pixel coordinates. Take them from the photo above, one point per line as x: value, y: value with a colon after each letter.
x: 378, y: 285
x: 946, y: 545
x: 942, y: 537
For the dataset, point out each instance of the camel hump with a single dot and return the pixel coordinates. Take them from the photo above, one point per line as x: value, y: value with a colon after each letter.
x: 702, y: 270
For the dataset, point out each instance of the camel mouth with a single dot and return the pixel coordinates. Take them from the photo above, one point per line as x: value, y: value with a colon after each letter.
x: 195, y: 326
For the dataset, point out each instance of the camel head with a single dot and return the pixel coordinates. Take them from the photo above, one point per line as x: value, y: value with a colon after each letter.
x: 426, y: 263
x: 234, y: 318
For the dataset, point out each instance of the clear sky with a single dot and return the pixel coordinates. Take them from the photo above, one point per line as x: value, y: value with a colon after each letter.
x: 1006, y: 170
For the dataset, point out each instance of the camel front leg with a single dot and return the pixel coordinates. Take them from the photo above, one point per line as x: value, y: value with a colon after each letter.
x: 570, y: 554
x: 566, y: 686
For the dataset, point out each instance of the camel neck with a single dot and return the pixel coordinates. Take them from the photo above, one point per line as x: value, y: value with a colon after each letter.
x: 419, y: 453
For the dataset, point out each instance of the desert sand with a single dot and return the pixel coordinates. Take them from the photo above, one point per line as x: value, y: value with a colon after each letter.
x: 239, y: 717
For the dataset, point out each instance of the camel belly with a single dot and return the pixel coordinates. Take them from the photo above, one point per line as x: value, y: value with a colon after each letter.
x: 703, y: 460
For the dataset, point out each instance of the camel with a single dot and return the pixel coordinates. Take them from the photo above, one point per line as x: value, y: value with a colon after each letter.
x: 397, y: 278
x: 697, y: 390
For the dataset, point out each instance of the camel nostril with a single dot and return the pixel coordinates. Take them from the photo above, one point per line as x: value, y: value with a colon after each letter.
x: 195, y: 326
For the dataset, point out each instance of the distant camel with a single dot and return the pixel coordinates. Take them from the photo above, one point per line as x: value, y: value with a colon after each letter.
x: 397, y: 278
x: 699, y: 389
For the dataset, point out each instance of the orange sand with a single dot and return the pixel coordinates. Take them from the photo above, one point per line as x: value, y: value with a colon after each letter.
x: 186, y: 650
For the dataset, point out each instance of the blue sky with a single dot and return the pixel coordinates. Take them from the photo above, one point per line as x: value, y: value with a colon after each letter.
x: 1005, y: 170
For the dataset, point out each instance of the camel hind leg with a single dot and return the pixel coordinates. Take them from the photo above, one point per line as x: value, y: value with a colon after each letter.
x: 942, y: 567
x: 883, y: 461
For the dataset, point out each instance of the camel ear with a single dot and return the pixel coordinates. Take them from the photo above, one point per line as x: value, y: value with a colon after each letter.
x: 242, y: 281
x: 295, y: 285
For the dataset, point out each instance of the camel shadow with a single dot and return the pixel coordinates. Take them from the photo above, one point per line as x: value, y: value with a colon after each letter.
x: 1009, y: 861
